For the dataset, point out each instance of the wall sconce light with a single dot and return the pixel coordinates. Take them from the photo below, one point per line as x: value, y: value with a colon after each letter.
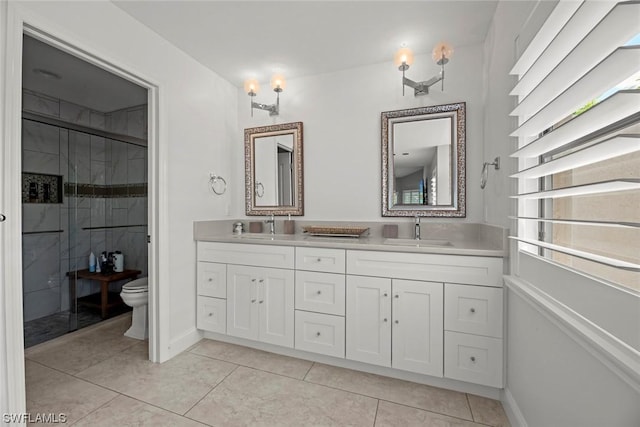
x: 252, y: 87
x: 404, y: 58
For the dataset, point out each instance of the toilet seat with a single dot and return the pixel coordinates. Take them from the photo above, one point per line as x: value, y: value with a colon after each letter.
x: 136, y: 286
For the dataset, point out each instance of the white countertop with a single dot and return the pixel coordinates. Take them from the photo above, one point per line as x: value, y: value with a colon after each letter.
x: 439, y: 246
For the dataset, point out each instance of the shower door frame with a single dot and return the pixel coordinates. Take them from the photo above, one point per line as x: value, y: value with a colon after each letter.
x: 21, y: 21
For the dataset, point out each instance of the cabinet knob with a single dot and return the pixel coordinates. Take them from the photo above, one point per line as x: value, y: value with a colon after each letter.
x: 253, y: 280
x: 261, y: 301
x: 384, y: 320
x: 385, y: 294
x: 253, y: 300
x: 317, y: 334
x: 473, y: 310
x: 396, y: 296
x: 319, y: 292
x: 211, y: 279
x: 319, y: 260
x: 261, y: 280
x: 473, y: 359
x: 397, y: 321
x: 210, y: 314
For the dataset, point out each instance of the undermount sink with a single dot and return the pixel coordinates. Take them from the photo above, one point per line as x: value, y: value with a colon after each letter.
x: 417, y: 243
x: 256, y: 236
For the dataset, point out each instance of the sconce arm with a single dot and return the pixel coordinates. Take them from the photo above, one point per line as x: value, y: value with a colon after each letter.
x: 421, y: 88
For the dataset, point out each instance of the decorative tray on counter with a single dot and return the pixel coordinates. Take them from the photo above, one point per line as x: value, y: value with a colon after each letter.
x: 314, y: 230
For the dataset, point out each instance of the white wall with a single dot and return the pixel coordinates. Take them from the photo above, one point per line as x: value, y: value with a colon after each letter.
x: 341, y: 116
x: 197, y: 122
x: 553, y: 377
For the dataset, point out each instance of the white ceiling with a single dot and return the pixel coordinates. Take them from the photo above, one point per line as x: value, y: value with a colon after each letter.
x: 80, y: 82
x: 242, y: 39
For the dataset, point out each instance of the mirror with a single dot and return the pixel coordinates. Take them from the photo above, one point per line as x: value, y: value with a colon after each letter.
x: 273, y: 170
x: 423, y: 161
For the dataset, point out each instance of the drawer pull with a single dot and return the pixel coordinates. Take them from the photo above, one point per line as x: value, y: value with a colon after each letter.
x: 211, y: 279
x: 261, y: 301
x: 319, y: 292
x: 397, y: 296
x: 384, y: 320
x: 385, y: 294
x: 253, y: 300
x: 397, y: 321
x: 473, y: 359
x: 261, y: 280
x: 473, y: 310
x: 317, y: 334
x: 210, y: 314
x: 319, y: 260
x: 253, y: 280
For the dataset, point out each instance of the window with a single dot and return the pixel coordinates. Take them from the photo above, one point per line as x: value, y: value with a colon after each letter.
x: 579, y: 144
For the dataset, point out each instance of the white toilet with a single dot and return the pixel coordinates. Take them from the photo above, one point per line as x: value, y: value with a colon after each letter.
x: 136, y: 294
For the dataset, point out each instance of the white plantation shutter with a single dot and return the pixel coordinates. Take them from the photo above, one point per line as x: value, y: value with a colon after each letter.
x: 578, y: 110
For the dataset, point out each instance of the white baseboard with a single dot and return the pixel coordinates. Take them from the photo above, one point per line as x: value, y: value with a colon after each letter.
x: 511, y: 408
x: 183, y: 342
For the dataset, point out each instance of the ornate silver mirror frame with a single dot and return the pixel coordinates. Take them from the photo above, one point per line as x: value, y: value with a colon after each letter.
x: 454, y: 116
x: 255, y: 189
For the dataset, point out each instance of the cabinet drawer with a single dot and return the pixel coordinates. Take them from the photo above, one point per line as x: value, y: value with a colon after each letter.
x: 473, y: 309
x: 318, y: 259
x: 320, y: 292
x: 320, y: 333
x: 212, y: 314
x: 433, y: 267
x: 246, y: 254
x: 473, y: 359
x: 212, y: 279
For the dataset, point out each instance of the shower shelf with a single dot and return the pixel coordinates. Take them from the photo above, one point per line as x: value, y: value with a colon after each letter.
x: 113, y: 226
x: 42, y: 232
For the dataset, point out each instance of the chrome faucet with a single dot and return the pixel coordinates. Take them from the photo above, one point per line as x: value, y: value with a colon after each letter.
x: 417, y: 228
x: 272, y: 225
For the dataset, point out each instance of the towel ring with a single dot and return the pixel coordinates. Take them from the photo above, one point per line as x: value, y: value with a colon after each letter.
x: 485, y: 171
x: 218, y: 184
x: 258, y: 187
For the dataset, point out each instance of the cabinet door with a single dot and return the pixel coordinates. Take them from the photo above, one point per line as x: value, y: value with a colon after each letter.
x: 275, y: 300
x: 418, y: 326
x: 369, y: 320
x: 242, y: 306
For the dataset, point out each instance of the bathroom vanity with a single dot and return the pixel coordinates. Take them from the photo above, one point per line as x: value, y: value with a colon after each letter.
x: 429, y: 307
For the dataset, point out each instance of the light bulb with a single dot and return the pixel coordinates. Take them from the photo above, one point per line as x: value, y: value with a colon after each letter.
x: 251, y: 86
x: 442, y: 53
x: 278, y: 82
x: 403, y: 56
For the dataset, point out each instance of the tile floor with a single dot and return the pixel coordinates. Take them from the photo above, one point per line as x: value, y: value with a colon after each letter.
x: 98, y: 377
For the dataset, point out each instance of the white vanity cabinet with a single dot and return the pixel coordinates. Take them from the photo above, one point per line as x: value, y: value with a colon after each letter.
x: 320, y: 301
x: 432, y: 314
x: 212, y: 294
x: 395, y: 322
x: 473, y: 334
x: 260, y: 304
x: 259, y: 290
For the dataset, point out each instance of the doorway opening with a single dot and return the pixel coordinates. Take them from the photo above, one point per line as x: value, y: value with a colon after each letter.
x: 84, y: 190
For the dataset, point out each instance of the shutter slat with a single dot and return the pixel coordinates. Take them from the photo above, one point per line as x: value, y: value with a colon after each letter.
x: 584, y: 190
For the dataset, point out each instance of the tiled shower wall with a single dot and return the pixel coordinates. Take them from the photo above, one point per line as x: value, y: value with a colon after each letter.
x: 85, y: 159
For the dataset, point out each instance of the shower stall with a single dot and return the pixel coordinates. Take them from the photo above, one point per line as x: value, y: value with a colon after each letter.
x: 84, y: 190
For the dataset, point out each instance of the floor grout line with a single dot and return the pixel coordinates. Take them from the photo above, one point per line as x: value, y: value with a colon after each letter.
x: 466, y: 396
x: 375, y: 417
x: 97, y: 409
x: 210, y: 391
x: 308, y: 370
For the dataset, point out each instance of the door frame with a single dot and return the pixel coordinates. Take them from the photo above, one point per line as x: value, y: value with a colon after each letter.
x: 20, y: 21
